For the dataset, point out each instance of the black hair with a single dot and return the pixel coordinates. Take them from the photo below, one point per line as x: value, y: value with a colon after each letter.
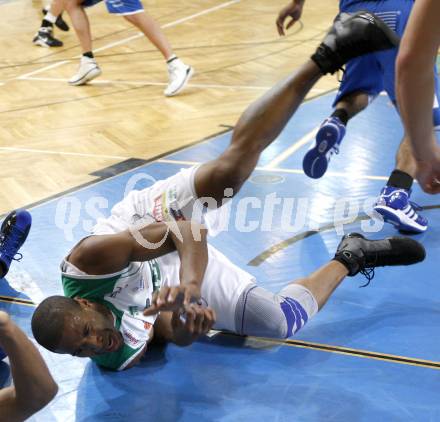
x: 48, y: 320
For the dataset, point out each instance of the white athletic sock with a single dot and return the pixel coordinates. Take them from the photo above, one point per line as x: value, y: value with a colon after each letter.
x: 49, y: 17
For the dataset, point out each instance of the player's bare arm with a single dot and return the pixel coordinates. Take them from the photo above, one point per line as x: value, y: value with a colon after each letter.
x: 33, y: 387
x: 106, y: 254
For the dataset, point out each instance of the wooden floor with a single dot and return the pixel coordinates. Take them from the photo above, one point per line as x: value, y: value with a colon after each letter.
x: 53, y: 136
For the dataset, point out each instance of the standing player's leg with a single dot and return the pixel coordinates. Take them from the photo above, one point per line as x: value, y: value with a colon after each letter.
x: 263, y: 120
x: 262, y: 313
x: 361, y: 83
x: 394, y: 200
x: 179, y: 73
x: 257, y: 127
x: 88, y: 68
x: 44, y: 36
x: 59, y: 22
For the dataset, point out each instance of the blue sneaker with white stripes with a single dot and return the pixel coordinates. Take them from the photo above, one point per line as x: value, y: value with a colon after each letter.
x: 328, y: 139
x: 13, y: 233
x: 395, y: 207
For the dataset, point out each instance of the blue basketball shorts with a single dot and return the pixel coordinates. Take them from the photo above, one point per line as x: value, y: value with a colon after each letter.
x: 374, y: 73
x: 118, y: 7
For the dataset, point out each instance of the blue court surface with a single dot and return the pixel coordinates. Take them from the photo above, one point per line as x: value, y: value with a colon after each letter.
x: 371, y: 354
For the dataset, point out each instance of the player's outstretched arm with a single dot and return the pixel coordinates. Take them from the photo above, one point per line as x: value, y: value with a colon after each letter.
x: 106, y: 254
x: 33, y: 387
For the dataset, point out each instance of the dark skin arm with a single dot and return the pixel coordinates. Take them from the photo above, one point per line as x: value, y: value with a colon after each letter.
x: 170, y: 327
x: 33, y: 387
x: 106, y: 254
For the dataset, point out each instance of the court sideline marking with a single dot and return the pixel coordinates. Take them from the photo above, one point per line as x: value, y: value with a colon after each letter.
x: 340, y: 350
x: 133, y: 37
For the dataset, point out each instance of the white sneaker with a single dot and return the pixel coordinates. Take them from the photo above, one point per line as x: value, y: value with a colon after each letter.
x: 88, y: 70
x: 179, y: 74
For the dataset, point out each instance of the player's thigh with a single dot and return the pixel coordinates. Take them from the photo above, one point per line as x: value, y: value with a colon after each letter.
x: 124, y: 7
x: 362, y: 74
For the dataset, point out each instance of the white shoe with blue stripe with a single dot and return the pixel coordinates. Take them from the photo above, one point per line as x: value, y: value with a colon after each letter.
x: 395, y: 207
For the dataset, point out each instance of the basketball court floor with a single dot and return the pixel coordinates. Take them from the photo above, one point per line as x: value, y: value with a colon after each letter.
x: 371, y: 354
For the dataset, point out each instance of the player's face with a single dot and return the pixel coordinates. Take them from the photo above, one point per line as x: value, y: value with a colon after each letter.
x: 89, y: 332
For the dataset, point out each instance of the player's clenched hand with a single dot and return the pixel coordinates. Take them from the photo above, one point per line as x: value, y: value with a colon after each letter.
x: 292, y: 10
x: 194, y: 322
x: 428, y: 173
x: 173, y: 298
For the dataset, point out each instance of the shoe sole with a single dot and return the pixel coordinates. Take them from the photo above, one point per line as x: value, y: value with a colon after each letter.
x: 43, y: 44
x: 315, y: 161
x: 399, y: 220
x: 91, y: 74
x: 183, y: 84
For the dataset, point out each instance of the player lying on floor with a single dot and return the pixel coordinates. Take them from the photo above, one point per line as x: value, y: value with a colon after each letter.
x: 122, y: 291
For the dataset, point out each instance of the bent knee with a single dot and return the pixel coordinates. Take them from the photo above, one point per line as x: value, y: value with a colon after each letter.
x: 276, y: 315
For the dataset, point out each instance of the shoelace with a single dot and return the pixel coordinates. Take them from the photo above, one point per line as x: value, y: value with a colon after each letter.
x: 9, y: 244
x: 416, y: 207
x: 368, y: 273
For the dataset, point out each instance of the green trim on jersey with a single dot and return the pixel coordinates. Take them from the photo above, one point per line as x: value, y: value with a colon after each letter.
x: 115, y: 360
x: 90, y: 288
x: 100, y: 289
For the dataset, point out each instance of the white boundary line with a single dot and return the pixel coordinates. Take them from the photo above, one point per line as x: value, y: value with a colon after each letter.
x: 292, y: 149
x: 152, y: 83
x: 179, y: 162
x: 278, y: 169
x: 139, y: 35
x: 49, y: 152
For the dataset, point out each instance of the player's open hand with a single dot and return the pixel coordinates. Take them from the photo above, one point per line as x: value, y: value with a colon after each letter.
x: 192, y: 322
x: 292, y: 10
x: 173, y: 298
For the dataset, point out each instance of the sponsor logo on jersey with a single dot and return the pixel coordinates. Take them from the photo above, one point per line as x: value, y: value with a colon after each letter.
x: 134, y: 310
x: 155, y: 274
x: 140, y: 286
x: 158, y: 209
x: 174, y: 209
x: 147, y: 326
x: 115, y: 292
x: 130, y: 338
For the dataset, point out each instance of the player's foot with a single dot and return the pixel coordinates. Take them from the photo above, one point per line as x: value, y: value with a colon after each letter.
x: 395, y: 207
x: 13, y: 233
x: 88, y: 70
x: 45, y: 38
x: 327, y: 143
x: 179, y: 75
x: 353, y: 35
x: 361, y: 255
x: 60, y: 22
